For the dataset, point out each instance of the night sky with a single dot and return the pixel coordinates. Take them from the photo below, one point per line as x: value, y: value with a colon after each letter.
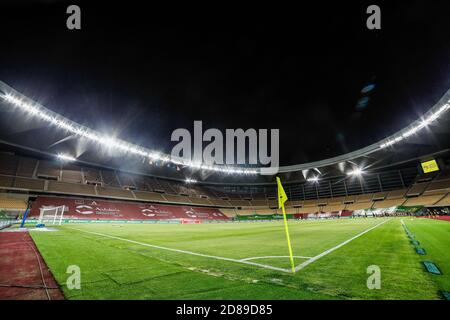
x: 141, y: 72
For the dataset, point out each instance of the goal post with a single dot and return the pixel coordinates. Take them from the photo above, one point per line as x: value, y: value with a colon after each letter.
x: 52, y: 215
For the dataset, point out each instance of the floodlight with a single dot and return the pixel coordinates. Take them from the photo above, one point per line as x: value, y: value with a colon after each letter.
x: 65, y: 157
x: 355, y: 172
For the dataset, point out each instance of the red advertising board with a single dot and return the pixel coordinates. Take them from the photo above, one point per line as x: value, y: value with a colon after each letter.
x: 95, y: 209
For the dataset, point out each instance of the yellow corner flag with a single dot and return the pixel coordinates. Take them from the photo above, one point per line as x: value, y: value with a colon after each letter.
x: 282, y: 198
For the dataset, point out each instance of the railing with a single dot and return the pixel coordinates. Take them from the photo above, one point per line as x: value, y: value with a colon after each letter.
x: 4, y: 223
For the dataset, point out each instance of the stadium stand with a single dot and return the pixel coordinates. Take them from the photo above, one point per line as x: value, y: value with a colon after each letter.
x: 445, y: 201
x: 417, y: 189
x: 29, y: 184
x: 230, y: 213
x: 142, y: 183
x: 71, y: 173
x: 382, y: 190
x: 114, y: 192
x: 92, y: 175
x: 109, y: 178
x: 26, y: 167
x: 176, y: 199
x: 220, y: 202
x: 439, y: 185
x: 49, y: 169
x: 10, y: 203
x: 149, y: 196
x: 6, y: 181
x: 8, y: 164
x: 424, y: 200
x: 71, y: 188
x: 126, y: 180
x: 200, y: 201
x: 388, y: 203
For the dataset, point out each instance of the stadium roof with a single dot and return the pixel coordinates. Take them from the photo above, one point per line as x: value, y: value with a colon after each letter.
x: 425, y: 137
x: 340, y: 95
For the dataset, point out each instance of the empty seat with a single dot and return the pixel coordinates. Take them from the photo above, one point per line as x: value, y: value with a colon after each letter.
x: 71, y: 173
x: 176, y: 199
x: 335, y: 207
x: 8, y: 164
x: 6, y: 181
x: 364, y: 197
x: 416, y: 189
x: 26, y: 167
x: 71, y: 188
x: 12, y: 203
x: 388, y: 203
x: 92, y: 175
x: 151, y: 196
x: 309, y: 203
x: 396, y: 194
x: 29, y: 183
x: 439, y: 185
x: 358, y: 206
x: 114, y: 192
x: 220, y: 202
x: 240, y: 203
x: 48, y: 169
x: 445, y: 201
x: 379, y: 195
x: 109, y: 178
x: 167, y: 187
x: 259, y: 203
x: 294, y: 203
x: 423, y: 200
x: 228, y: 212
x: 125, y: 179
x: 201, y: 201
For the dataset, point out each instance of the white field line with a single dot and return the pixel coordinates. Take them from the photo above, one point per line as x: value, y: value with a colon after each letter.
x: 313, y: 259
x: 186, y: 252
x: 268, y: 257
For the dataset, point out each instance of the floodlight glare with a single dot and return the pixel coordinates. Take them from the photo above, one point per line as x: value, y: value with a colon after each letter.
x: 313, y: 179
x: 355, y: 172
x: 65, y: 157
x: 109, y: 142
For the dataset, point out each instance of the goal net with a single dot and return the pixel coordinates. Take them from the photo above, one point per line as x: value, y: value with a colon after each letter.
x: 53, y: 215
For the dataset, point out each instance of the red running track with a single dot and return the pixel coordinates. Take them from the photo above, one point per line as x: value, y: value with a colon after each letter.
x: 24, y: 274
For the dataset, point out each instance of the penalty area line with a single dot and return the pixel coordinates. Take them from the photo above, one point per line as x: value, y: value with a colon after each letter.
x: 313, y: 259
x: 185, y: 252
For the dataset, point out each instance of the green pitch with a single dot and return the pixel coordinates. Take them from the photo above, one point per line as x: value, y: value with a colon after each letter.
x: 249, y: 260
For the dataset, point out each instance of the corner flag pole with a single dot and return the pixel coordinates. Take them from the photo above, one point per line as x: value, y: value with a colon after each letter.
x: 282, y: 198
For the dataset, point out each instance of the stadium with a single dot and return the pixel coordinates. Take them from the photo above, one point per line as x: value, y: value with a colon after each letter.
x: 94, y: 206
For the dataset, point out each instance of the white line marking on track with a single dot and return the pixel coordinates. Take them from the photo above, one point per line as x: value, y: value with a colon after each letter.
x: 186, y: 252
x: 268, y: 257
x: 313, y: 259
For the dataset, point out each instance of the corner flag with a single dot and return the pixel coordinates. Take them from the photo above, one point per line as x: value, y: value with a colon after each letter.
x: 282, y: 198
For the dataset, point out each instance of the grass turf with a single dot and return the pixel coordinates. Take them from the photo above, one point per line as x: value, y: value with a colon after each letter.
x: 116, y: 269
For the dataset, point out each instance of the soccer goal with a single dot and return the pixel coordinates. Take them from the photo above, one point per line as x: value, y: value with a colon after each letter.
x: 52, y: 215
